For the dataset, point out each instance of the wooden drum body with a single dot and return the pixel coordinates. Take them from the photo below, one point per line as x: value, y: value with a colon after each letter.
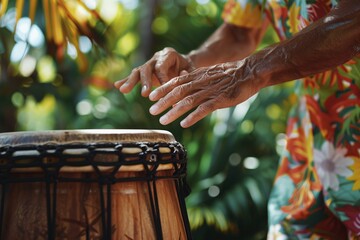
x: 92, y: 184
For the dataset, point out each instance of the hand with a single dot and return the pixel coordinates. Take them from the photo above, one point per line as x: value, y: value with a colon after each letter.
x: 162, y: 67
x: 205, y: 89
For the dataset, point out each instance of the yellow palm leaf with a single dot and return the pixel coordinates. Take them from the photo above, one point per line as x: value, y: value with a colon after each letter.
x: 32, y: 10
x: 19, y: 9
x: 46, y: 5
x: 62, y: 24
x: 56, y: 24
x: 3, y: 7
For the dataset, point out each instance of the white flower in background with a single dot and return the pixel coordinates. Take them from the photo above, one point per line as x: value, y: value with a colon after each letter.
x: 274, y: 233
x: 330, y: 163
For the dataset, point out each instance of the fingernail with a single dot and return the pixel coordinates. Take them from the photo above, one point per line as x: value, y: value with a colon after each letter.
x: 124, y: 86
x: 183, y: 123
x: 153, y: 109
x: 144, y: 88
x: 163, y: 120
x: 152, y: 95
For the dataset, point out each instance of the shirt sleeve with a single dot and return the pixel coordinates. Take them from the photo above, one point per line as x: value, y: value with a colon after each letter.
x: 244, y: 13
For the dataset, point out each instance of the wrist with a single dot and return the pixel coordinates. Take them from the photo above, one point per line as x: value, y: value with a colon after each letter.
x: 191, y: 60
x: 272, y: 66
x: 257, y: 70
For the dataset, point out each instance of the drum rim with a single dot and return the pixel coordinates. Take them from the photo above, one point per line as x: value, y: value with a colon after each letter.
x: 84, y: 136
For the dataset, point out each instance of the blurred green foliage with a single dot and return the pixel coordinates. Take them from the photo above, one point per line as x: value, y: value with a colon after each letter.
x: 232, y: 154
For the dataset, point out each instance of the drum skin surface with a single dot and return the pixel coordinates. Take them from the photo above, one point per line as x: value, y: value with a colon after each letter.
x: 92, y: 184
x: 84, y: 136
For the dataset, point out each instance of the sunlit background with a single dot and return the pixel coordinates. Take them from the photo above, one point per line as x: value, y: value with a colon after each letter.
x: 59, y: 60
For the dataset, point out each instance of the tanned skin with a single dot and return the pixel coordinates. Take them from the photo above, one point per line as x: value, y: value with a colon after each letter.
x: 224, y: 71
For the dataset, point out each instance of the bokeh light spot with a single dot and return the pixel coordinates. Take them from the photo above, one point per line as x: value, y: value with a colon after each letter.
x: 23, y: 29
x: 160, y: 25
x: 27, y: 66
x: 46, y: 69
x: 103, y: 105
x: 247, y: 126
x: 273, y: 111
x: 109, y: 10
x: 84, y: 107
x: 17, y: 99
x: 85, y: 44
x: 214, y: 191
x: 36, y: 37
x: 206, y: 8
x: 234, y: 159
x: 19, y: 51
x: 251, y: 163
x: 127, y: 43
x: 71, y: 50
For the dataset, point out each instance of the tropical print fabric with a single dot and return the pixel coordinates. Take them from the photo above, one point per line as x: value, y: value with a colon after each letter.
x: 316, y: 193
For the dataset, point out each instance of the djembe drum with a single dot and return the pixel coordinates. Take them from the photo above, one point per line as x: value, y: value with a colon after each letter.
x: 92, y: 184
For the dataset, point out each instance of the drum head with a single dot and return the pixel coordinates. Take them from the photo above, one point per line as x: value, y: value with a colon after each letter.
x: 84, y: 136
x: 82, y: 150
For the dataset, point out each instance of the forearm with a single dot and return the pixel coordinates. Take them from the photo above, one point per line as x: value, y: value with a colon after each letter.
x: 228, y: 43
x: 326, y: 44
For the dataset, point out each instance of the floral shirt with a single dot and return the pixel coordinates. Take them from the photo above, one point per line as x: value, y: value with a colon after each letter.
x: 316, y: 190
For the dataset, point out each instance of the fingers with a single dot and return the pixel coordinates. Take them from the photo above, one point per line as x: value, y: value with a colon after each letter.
x: 182, y: 95
x: 119, y: 83
x: 143, y: 74
x: 182, y: 107
x: 167, y: 65
x: 172, y: 90
x: 146, y: 78
x: 201, y: 112
x: 198, y: 100
x: 127, y: 84
x: 163, y: 66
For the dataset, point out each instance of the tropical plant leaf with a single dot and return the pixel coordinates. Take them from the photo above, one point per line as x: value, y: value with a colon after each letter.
x: 3, y: 7
x: 32, y: 9
x: 62, y: 25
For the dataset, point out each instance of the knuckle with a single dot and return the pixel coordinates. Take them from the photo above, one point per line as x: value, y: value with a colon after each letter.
x: 177, y: 82
x: 160, y: 92
x: 158, y: 66
x: 172, y: 53
x: 179, y: 90
x: 205, y: 108
x: 169, y: 49
x: 161, y: 75
x: 161, y: 103
x: 156, y: 54
x: 169, y: 53
x: 188, y: 101
x: 135, y: 70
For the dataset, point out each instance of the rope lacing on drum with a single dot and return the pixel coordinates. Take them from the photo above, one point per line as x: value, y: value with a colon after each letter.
x: 50, y: 159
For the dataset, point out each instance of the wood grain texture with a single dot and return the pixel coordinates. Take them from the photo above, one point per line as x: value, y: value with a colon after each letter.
x: 78, y: 205
x: 78, y: 209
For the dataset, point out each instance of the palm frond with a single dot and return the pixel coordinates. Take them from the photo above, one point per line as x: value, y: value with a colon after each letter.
x: 63, y: 25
